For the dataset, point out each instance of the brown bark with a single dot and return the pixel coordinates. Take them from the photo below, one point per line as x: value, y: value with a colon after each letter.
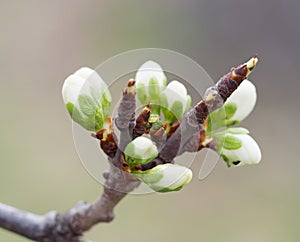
x: 70, y: 226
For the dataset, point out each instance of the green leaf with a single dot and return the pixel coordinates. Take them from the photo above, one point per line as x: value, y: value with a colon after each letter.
x: 141, y: 93
x: 133, y: 158
x: 220, y: 117
x: 230, y: 110
x: 70, y: 107
x: 169, y: 117
x: 165, y: 189
x: 231, y: 122
x: 177, y: 110
x: 149, y: 178
x: 105, y: 103
x: 216, y: 120
x: 130, y: 155
x: 75, y: 113
x: 232, y: 143
x: 154, y: 88
x: 78, y: 118
x: 225, y: 158
x: 237, y: 130
x: 87, y: 105
x: 99, y: 120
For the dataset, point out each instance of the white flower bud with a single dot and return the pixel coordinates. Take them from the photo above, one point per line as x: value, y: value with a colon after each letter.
x: 175, y: 101
x: 166, y: 177
x: 241, y: 102
x: 87, y: 98
x: 150, y: 81
x: 237, y: 147
x: 140, y: 151
x: 236, y: 108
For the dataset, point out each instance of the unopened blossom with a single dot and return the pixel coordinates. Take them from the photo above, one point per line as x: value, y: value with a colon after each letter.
x: 175, y: 101
x: 87, y: 98
x: 166, y: 177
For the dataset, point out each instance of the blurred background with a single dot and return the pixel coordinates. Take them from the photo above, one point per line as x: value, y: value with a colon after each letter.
x: 42, y: 42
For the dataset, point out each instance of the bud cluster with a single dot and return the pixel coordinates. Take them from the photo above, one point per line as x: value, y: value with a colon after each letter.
x: 88, y: 101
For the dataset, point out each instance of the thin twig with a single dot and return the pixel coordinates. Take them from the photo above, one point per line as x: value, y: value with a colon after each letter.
x: 214, y: 98
x: 69, y: 227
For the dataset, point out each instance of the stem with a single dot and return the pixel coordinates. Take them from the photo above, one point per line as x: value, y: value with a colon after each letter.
x: 214, y: 98
x: 69, y: 227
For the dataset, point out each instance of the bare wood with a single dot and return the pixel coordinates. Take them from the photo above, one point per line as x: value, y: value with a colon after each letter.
x: 193, y: 121
x: 69, y: 227
x: 21, y: 222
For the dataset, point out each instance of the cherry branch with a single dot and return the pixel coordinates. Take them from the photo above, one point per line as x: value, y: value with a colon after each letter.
x: 188, y: 136
x: 190, y: 128
x: 69, y: 227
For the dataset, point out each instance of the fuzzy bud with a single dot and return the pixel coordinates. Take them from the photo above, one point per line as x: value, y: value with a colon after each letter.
x: 236, y: 108
x: 87, y: 98
x: 175, y: 101
x: 166, y: 177
x: 150, y: 81
x: 140, y: 151
x: 237, y: 147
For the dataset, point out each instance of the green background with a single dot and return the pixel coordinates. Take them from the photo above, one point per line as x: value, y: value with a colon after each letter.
x: 42, y: 42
